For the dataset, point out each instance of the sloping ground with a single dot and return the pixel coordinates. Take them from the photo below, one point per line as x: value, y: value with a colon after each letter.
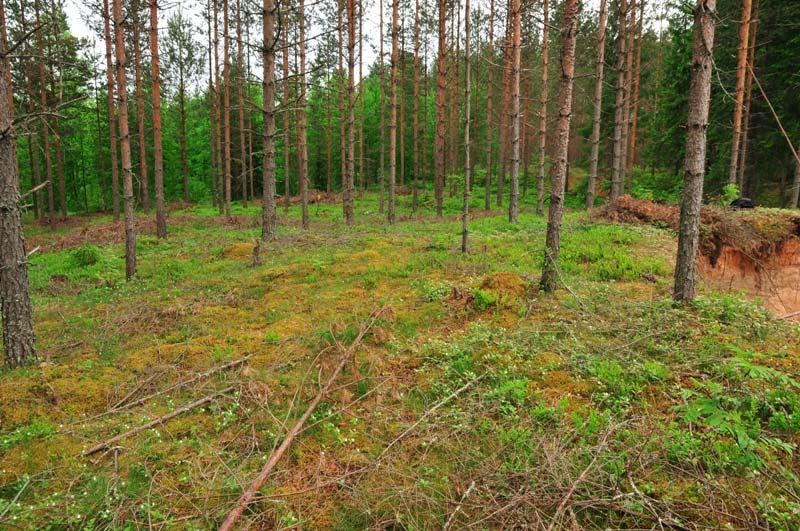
x: 473, y: 400
x: 757, y: 251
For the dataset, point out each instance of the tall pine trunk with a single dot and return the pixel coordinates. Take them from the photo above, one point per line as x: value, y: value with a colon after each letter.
x: 19, y: 341
x: 287, y: 133
x: 598, y: 105
x: 48, y: 163
x: 467, y: 144
x: 349, y: 191
x: 516, y: 42
x: 158, y: 152
x: 302, y: 140
x: 487, y: 180
x: 441, y: 71
x: 741, y: 75
x: 558, y: 172
x: 226, y: 105
x: 269, y: 218
x: 543, y: 108
x: 637, y: 76
x: 748, y: 98
x: 381, y: 110
x: 393, y: 111
x: 617, y: 176
x: 626, y: 109
x: 125, y: 141
x: 415, y: 123
x: 144, y: 191
x: 695, y: 161
x: 240, y: 96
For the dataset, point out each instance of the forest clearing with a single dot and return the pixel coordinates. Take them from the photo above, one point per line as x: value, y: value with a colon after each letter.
x: 399, y: 265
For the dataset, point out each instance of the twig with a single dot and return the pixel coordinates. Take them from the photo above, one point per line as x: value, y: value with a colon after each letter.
x: 34, y: 189
x: 793, y: 314
x: 160, y: 420
x: 257, y: 483
x: 457, y: 510
x: 578, y: 481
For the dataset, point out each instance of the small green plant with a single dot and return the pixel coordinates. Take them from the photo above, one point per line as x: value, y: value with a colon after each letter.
x: 37, y: 429
x: 86, y: 255
x: 482, y: 300
x: 730, y: 192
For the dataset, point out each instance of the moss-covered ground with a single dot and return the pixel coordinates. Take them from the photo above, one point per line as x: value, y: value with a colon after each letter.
x: 603, y: 405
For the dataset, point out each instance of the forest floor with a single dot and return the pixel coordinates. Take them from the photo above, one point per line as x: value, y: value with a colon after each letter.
x: 473, y: 401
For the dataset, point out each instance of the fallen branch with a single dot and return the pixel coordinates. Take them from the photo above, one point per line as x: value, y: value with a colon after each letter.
x: 121, y: 405
x: 248, y: 496
x: 578, y: 481
x: 160, y: 420
x: 452, y: 518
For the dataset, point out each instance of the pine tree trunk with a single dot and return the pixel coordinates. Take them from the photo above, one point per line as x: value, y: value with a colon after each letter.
x: 505, y: 101
x: 415, y: 124
x: 349, y: 191
x: 467, y: 144
x: 626, y: 113
x: 748, y: 98
x: 57, y: 92
x: 741, y: 74
x: 796, y: 186
x: 543, y: 108
x: 441, y: 72
x: 516, y: 42
x: 617, y: 177
x: 269, y: 218
x: 699, y: 99
x: 125, y: 141
x: 569, y: 32
x: 212, y: 119
x: 381, y: 109
x: 219, y: 176
x: 158, y: 152
x: 487, y: 180
x: 48, y: 164
x: 361, y: 175
x: 240, y: 97
x: 144, y: 190
x: 637, y: 75
x: 19, y: 341
x: 287, y: 133
x: 302, y: 145
x: 182, y: 133
x: 393, y: 111
x: 226, y: 105
x: 598, y: 105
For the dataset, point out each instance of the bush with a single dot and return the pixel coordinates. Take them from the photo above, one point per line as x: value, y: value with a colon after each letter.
x: 86, y: 255
x: 655, y: 185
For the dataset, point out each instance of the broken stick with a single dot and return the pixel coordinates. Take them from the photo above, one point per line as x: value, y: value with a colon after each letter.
x: 248, y: 496
x: 160, y: 420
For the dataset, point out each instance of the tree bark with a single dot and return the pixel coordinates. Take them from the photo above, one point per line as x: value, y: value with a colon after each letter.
x: 361, y: 176
x: 219, y: 176
x: 796, y: 185
x: 226, y: 105
x: 144, y: 190
x: 516, y: 42
x: 441, y: 71
x: 415, y: 124
x: 381, y: 110
x: 19, y: 341
x: 287, y: 134
x: 212, y: 106
x: 741, y: 74
x: 393, y: 112
x: 617, y: 177
x: 598, y: 106
x: 348, y: 193
x: 637, y: 75
x: 158, y: 152
x: 269, y: 218
x: 302, y: 140
x: 125, y: 142
x: 626, y: 114
x: 240, y: 95
x: 543, y: 108
x: 467, y: 145
x: 487, y: 180
x: 558, y: 172
x: 48, y: 163
x: 699, y: 99
x: 748, y: 98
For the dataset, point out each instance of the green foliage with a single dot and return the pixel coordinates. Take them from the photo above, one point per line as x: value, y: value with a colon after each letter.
x: 482, y: 299
x: 37, y: 429
x: 86, y: 255
x: 730, y: 192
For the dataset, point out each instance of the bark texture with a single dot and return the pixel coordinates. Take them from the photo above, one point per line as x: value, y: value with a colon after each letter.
x: 598, y: 106
x: 19, y: 341
x: 697, y: 125
x: 558, y: 171
x: 441, y: 72
x: 543, y: 108
x: 391, y: 215
x: 467, y: 145
x: 158, y: 151
x: 516, y: 42
x: 269, y: 218
x: 125, y: 141
x: 741, y: 75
